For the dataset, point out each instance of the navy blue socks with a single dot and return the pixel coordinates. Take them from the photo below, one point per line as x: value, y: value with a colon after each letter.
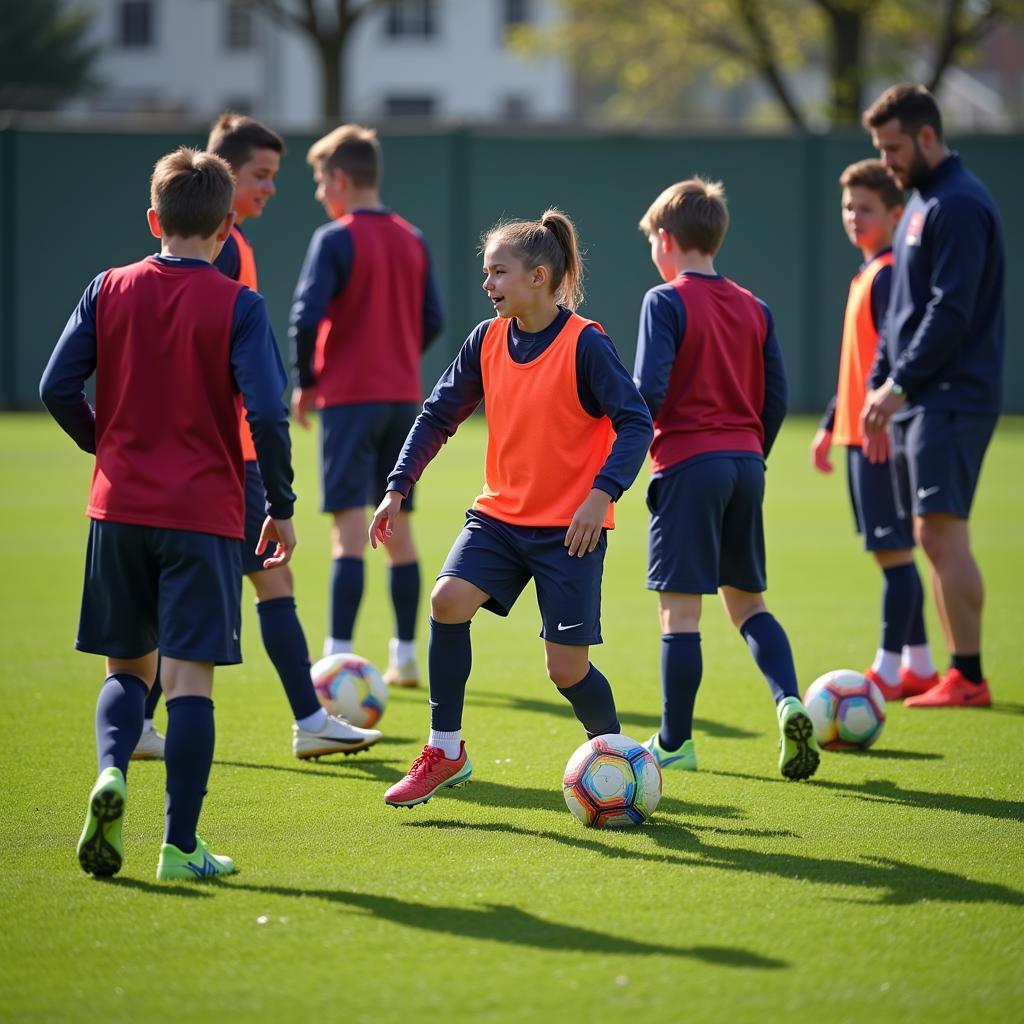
x: 188, y: 754
x: 286, y: 647
x: 902, y: 607
x: 154, y: 694
x: 593, y: 704
x: 769, y: 645
x: 120, y: 708
x: 682, y: 666
x: 346, y: 593
x: 969, y: 666
x: 404, y: 583
x: 449, y: 660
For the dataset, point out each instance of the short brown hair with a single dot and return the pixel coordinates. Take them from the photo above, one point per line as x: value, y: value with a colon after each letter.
x: 693, y: 212
x: 913, y: 105
x: 352, y: 149
x: 235, y: 136
x: 191, y: 192
x: 873, y: 175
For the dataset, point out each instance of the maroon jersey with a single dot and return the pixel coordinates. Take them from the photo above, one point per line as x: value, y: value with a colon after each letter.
x: 369, y: 344
x: 168, y: 452
x: 716, y: 391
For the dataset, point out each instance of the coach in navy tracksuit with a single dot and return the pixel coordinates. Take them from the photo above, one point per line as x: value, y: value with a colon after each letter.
x: 938, y: 371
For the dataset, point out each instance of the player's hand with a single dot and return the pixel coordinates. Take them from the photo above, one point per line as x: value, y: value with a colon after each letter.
x: 282, y: 533
x: 876, y: 447
x: 820, y: 448
x: 303, y: 400
x: 383, y: 523
x: 585, y: 529
x: 879, y: 406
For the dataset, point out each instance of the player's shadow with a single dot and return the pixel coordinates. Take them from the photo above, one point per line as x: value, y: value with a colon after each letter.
x: 898, y: 883
x: 1006, y: 707
x: 188, y: 889
x: 360, y: 770
x: 628, y: 719
x: 888, y: 754
x: 498, y: 922
x: 888, y: 792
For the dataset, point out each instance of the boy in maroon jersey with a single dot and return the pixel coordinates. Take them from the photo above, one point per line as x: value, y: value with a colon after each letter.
x: 366, y: 306
x: 710, y: 368
x: 175, y: 346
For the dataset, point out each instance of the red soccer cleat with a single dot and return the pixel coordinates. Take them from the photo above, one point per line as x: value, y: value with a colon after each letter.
x: 914, y: 684
x: 954, y: 691
x: 430, y: 772
x: 889, y: 692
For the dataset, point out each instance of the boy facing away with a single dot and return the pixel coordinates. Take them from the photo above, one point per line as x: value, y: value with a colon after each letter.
x: 365, y: 308
x: 173, y: 342
x: 872, y: 204
x: 710, y: 368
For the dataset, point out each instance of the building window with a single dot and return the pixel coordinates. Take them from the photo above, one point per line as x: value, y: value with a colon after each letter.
x: 409, y: 106
x: 517, y: 13
x: 135, y: 23
x: 515, y: 107
x: 411, y: 19
x: 239, y: 27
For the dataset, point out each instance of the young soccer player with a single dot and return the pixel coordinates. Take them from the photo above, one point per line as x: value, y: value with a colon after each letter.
x: 366, y: 307
x: 710, y: 368
x: 172, y: 342
x: 872, y: 204
x: 567, y: 433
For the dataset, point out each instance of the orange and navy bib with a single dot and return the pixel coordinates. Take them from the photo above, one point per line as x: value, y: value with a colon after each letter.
x: 246, y: 276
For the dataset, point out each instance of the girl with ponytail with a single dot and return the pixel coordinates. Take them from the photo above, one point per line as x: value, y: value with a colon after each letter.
x: 567, y: 434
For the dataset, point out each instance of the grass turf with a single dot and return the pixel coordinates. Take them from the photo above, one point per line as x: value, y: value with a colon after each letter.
x: 890, y: 887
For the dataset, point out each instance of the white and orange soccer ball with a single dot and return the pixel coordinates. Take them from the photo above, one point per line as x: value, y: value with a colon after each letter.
x: 612, y: 781
x: 351, y: 687
x: 848, y: 710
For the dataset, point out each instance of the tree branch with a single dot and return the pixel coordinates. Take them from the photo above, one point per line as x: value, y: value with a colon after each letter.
x: 954, y: 38
x: 766, y: 60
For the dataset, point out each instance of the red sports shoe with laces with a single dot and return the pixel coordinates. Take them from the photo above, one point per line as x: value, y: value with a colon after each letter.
x: 955, y: 691
x: 914, y: 684
x: 430, y: 772
x: 889, y: 692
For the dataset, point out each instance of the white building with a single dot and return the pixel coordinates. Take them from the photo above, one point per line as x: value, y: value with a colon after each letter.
x: 445, y: 60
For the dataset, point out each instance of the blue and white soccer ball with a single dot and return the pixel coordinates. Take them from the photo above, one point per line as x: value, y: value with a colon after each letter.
x: 351, y: 687
x: 612, y: 782
x: 848, y: 710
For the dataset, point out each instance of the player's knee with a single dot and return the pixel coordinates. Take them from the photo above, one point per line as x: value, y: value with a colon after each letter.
x: 566, y: 668
x: 446, y: 603
x: 939, y: 539
x: 273, y: 583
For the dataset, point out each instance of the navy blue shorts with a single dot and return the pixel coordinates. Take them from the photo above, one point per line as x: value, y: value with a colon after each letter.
x: 255, y: 516
x: 359, y: 446
x: 706, y: 526
x: 873, y: 496
x: 937, y: 459
x: 147, y: 587
x: 501, y: 559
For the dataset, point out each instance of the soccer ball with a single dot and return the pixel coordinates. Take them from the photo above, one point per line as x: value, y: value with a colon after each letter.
x: 351, y: 687
x: 848, y: 711
x: 612, y: 782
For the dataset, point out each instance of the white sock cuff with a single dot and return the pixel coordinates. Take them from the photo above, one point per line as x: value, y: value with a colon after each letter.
x: 334, y: 646
x: 449, y: 742
x: 314, y: 722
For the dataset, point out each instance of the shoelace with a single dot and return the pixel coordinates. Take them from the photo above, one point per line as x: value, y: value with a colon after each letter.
x: 425, y: 763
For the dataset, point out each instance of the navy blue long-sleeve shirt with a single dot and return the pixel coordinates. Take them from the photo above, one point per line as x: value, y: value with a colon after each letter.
x: 324, y: 275
x: 944, y: 338
x: 603, y: 385
x: 881, y: 287
x: 255, y: 361
x: 661, y: 333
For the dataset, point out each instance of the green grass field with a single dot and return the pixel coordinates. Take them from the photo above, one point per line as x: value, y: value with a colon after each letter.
x: 890, y: 887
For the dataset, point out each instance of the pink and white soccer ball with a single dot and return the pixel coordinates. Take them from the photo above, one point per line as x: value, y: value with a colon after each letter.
x: 612, y: 781
x: 848, y: 710
x: 351, y: 687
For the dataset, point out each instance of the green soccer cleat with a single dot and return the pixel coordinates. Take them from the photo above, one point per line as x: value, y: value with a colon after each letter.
x: 100, y: 848
x: 682, y: 760
x: 200, y: 863
x: 798, y: 752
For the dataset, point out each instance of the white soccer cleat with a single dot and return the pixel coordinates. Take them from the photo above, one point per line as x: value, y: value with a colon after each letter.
x: 400, y: 673
x: 336, y: 737
x: 150, y: 746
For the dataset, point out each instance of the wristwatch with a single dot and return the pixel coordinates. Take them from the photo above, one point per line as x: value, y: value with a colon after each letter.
x: 896, y: 389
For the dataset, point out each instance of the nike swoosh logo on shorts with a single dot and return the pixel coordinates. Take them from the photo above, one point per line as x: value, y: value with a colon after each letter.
x: 923, y: 492
x: 562, y: 628
x: 883, y: 531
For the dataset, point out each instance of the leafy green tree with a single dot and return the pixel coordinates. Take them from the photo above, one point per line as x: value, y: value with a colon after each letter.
x: 643, y: 56
x: 44, y: 55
